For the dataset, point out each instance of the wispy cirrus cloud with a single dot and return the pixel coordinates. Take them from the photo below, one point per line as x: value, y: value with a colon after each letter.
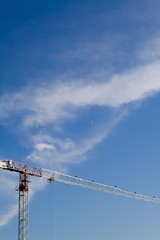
x: 39, y: 106
x: 48, y: 104
x: 58, y: 153
x: 8, y: 214
x: 9, y: 197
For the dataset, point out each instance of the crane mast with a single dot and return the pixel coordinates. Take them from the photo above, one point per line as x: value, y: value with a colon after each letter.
x: 23, y: 207
x: 25, y: 170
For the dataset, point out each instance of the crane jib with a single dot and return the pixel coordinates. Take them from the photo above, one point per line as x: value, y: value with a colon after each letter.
x: 64, y: 178
x: 26, y: 170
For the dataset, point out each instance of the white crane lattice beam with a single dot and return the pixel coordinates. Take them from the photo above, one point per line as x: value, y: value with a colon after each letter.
x: 63, y: 178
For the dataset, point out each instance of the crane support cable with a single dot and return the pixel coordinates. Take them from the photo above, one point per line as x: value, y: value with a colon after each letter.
x: 75, y: 181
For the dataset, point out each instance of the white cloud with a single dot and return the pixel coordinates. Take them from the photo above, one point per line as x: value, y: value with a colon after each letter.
x: 8, y: 215
x: 66, y: 151
x: 48, y: 104
x: 8, y: 197
x: 44, y: 146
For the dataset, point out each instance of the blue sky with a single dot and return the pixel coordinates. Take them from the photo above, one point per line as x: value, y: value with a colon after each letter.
x: 80, y: 93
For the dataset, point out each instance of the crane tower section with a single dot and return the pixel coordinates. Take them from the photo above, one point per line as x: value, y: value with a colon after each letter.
x: 23, y: 207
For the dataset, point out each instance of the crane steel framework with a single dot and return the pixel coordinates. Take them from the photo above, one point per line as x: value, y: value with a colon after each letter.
x: 25, y: 170
x: 23, y: 207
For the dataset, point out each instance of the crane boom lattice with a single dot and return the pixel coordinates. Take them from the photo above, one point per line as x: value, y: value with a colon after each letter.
x: 64, y: 178
x: 25, y: 170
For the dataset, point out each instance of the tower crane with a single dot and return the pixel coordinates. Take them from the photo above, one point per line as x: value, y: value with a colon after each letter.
x: 25, y: 171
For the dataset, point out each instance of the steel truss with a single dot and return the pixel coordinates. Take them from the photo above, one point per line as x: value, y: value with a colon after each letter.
x: 23, y: 207
x: 25, y: 170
